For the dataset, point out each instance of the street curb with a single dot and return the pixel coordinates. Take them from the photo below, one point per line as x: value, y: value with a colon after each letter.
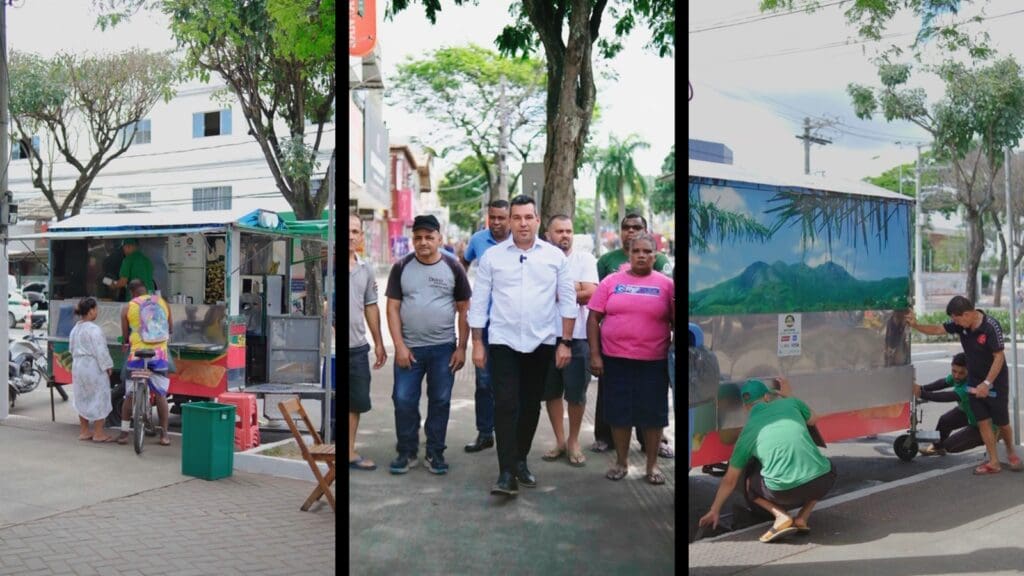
x: 929, y: 356
x: 252, y: 461
x: 855, y: 495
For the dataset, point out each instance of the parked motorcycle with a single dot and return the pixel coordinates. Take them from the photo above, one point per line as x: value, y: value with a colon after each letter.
x: 27, y: 367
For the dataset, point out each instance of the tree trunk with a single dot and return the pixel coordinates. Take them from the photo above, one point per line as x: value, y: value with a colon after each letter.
x: 974, y: 251
x: 571, y: 96
x: 311, y: 254
x: 597, y: 224
x: 621, y: 199
x: 1003, y: 264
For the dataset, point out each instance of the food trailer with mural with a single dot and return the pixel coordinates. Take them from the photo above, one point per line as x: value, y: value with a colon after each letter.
x: 226, y: 276
x: 804, y: 277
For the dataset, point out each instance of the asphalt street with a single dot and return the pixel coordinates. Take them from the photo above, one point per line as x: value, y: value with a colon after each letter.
x: 861, y: 463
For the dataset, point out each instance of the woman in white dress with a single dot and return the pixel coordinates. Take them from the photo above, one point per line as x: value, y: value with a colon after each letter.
x: 90, y: 372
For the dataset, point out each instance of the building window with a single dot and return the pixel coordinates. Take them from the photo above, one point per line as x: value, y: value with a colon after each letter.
x: 211, y: 123
x: 136, y: 198
x: 143, y: 132
x: 315, y: 184
x: 19, y: 150
x: 212, y: 198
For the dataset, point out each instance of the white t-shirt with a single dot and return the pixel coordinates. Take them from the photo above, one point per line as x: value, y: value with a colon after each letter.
x: 582, y: 268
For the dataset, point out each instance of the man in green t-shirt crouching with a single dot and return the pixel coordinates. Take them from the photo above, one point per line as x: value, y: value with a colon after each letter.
x: 793, y: 471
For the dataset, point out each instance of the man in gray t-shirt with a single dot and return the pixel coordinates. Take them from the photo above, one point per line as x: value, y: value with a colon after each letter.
x: 426, y: 291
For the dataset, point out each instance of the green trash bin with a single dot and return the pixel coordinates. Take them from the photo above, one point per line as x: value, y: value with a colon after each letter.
x: 207, y: 440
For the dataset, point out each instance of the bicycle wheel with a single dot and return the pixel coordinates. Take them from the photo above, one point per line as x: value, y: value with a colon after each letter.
x: 139, y: 414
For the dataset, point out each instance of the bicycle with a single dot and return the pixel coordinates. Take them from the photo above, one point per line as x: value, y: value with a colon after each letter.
x: 143, y: 401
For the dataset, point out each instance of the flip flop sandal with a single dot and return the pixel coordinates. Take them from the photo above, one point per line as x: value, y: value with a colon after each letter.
x: 616, y: 473
x: 553, y: 454
x: 802, y: 530
x: 655, y: 478
x: 361, y: 464
x: 986, y: 469
x: 165, y: 442
x: 577, y: 459
x: 106, y: 440
x: 774, y: 534
x: 665, y: 451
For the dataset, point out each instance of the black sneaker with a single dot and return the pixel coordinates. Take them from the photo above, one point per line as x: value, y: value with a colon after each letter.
x: 507, y: 485
x: 403, y: 463
x: 436, y: 464
x: 482, y: 442
x: 524, y: 476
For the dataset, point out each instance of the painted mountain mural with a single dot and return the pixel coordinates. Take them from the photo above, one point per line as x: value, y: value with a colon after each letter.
x: 774, y: 288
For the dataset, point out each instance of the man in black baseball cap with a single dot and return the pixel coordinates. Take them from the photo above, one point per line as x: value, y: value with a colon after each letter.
x: 426, y: 222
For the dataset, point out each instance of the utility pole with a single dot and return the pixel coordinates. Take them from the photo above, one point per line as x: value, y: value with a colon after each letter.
x: 329, y: 355
x: 503, y: 143
x: 808, y: 139
x: 919, y: 303
x: 5, y: 162
x: 1014, y: 392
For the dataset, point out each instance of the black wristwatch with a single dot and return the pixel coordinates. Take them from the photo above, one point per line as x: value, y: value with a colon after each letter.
x: 563, y: 341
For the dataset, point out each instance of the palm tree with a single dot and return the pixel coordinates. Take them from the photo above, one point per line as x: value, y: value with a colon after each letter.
x: 707, y: 220
x: 617, y: 172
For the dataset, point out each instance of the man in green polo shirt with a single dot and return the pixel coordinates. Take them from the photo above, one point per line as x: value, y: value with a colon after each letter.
x: 135, y: 265
x: 793, y: 471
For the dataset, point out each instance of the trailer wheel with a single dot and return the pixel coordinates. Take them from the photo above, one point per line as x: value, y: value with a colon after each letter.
x: 905, y: 448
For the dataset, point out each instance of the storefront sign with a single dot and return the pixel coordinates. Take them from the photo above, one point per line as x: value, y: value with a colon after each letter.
x: 362, y: 26
x: 376, y: 157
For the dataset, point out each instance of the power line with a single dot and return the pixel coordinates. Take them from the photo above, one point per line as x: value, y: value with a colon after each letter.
x: 762, y: 17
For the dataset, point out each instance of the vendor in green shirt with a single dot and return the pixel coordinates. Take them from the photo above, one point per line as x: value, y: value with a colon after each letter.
x: 135, y: 265
x: 793, y: 471
x: 958, y: 428
x: 632, y: 225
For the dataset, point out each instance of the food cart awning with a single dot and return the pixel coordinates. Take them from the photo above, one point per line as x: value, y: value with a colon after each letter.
x: 149, y: 224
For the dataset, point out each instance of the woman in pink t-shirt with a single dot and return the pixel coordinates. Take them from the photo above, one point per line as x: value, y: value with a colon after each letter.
x: 629, y: 331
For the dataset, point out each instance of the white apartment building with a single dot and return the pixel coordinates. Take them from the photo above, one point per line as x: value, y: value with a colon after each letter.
x: 189, y: 154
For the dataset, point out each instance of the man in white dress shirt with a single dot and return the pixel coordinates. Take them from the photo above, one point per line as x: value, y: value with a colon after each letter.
x: 528, y: 284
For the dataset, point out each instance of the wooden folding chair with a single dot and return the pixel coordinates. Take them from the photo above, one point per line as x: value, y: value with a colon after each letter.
x: 317, y: 452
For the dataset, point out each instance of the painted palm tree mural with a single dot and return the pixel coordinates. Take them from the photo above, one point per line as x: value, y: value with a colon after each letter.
x: 766, y: 249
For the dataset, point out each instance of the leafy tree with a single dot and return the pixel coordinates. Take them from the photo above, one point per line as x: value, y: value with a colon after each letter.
x: 663, y: 196
x: 583, y: 219
x: 273, y: 56
x: 982, y: 111
x: 458, y: 89
x: 871, y: 18
x: 88, y: 106
x: 567, y: 31
x: 618, y: 173
x: 462, y: 190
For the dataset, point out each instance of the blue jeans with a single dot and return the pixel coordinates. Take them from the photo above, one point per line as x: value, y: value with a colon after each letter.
x: 484, y: 398
x: 431, y: 361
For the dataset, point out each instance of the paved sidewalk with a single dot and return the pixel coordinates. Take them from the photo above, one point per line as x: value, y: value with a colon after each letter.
x: 955, y: 523
x: 574, y: 522
x: 71, y: 507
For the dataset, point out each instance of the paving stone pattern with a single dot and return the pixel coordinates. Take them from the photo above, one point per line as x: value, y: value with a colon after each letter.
x: 246, y: 524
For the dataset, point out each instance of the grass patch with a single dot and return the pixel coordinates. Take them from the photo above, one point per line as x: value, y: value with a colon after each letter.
x: 287, y: 450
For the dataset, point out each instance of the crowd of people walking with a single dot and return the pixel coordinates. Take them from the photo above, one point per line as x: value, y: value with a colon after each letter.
x: 542, y: 319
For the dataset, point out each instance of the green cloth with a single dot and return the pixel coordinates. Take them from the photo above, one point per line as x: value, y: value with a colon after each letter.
x: 612, y: 261
x: 776, y: 434
x: 960, y: 387
x: 137, y: 265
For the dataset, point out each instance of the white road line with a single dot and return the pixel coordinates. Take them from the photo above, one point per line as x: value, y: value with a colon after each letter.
x: 855, y: 495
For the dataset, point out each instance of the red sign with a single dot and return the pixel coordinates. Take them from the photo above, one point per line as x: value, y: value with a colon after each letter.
x: 362, y: 26
x: 403, y: 206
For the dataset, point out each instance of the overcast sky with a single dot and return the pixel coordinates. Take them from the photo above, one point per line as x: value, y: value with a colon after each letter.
x: 641, y: 101
x: 50, y: 26
x: 754, y: 82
